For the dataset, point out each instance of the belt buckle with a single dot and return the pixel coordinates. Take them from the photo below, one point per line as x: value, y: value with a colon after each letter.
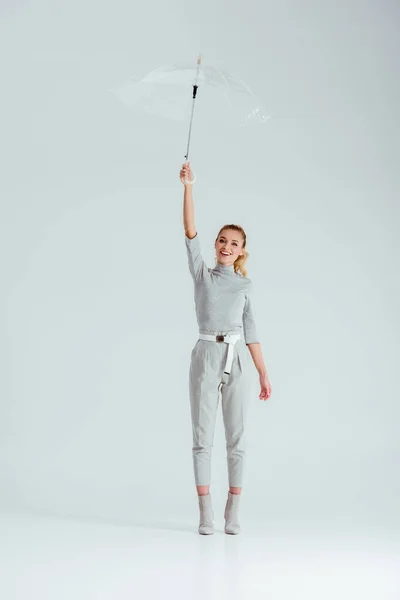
x: 219, y: 338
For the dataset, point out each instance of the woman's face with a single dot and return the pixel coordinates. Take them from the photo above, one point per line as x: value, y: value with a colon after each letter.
x: 229, y: 241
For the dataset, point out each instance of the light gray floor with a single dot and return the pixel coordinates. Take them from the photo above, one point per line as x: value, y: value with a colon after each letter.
x: 54, y: 558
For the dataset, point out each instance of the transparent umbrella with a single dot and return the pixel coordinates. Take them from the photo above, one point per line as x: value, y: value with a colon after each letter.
x: 225, y: 99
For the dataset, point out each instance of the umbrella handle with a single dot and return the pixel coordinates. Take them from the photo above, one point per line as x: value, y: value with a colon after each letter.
x: 190, y: 181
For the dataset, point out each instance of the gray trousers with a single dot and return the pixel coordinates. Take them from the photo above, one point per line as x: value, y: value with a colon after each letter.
x: 205, y: 376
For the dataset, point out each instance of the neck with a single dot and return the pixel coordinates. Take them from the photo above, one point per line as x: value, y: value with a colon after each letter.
x: 224, y: 268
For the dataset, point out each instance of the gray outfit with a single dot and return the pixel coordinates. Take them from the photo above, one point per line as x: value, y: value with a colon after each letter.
x: 224, y: 306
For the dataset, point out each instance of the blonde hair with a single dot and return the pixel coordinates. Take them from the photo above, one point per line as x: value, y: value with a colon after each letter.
x: 239, y: 263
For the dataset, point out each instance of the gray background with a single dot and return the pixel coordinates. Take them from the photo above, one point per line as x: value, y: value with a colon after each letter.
x: 97, y: 312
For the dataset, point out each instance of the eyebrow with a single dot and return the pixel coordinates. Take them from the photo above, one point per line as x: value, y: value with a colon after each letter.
x: 222, y: 236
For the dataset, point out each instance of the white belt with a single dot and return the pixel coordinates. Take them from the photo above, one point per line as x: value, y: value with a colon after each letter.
x: 230, y: 339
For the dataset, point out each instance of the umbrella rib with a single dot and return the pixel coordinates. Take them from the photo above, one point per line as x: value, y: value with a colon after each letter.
x: 224, y: 92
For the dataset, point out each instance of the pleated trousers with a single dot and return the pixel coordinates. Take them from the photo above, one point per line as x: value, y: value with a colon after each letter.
x: 205, y: 390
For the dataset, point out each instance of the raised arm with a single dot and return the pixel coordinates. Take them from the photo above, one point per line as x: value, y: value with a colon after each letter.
x: 188, y: 206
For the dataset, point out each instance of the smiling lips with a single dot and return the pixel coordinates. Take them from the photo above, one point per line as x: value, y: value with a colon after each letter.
x: 225, y: 253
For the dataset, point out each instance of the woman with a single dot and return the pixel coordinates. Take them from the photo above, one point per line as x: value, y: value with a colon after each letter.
x: 219, y: 360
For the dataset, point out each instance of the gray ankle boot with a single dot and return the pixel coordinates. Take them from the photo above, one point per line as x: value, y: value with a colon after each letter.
x: 231, y: 514
x: 206, y: 526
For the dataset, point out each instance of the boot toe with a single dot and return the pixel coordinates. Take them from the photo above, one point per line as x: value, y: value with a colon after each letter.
x: 206, y: 529
x: 232, y: 528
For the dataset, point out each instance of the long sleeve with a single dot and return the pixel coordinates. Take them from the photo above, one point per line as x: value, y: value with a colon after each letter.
x: 249, y: 321
x: 197, y: 266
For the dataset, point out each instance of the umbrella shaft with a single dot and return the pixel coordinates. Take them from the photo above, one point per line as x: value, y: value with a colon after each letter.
x: 190, y: 126
x: 195, y: 87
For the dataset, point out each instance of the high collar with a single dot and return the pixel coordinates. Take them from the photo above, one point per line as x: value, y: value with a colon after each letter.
x: 228, y: 269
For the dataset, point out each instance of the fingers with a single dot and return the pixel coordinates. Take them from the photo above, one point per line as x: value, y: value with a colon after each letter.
x: 185, y: 172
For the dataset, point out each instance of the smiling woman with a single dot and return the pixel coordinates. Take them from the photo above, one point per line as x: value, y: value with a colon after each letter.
x: 225, y: 313
x: 230, y: 247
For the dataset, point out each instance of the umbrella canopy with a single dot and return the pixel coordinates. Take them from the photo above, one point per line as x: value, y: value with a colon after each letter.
x: 165, y: 92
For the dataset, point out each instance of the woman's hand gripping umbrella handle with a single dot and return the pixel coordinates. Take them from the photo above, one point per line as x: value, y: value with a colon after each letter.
x: 186, y: 175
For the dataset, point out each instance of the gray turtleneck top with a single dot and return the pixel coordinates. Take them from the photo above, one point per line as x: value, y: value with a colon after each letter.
x: 223, y: 298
